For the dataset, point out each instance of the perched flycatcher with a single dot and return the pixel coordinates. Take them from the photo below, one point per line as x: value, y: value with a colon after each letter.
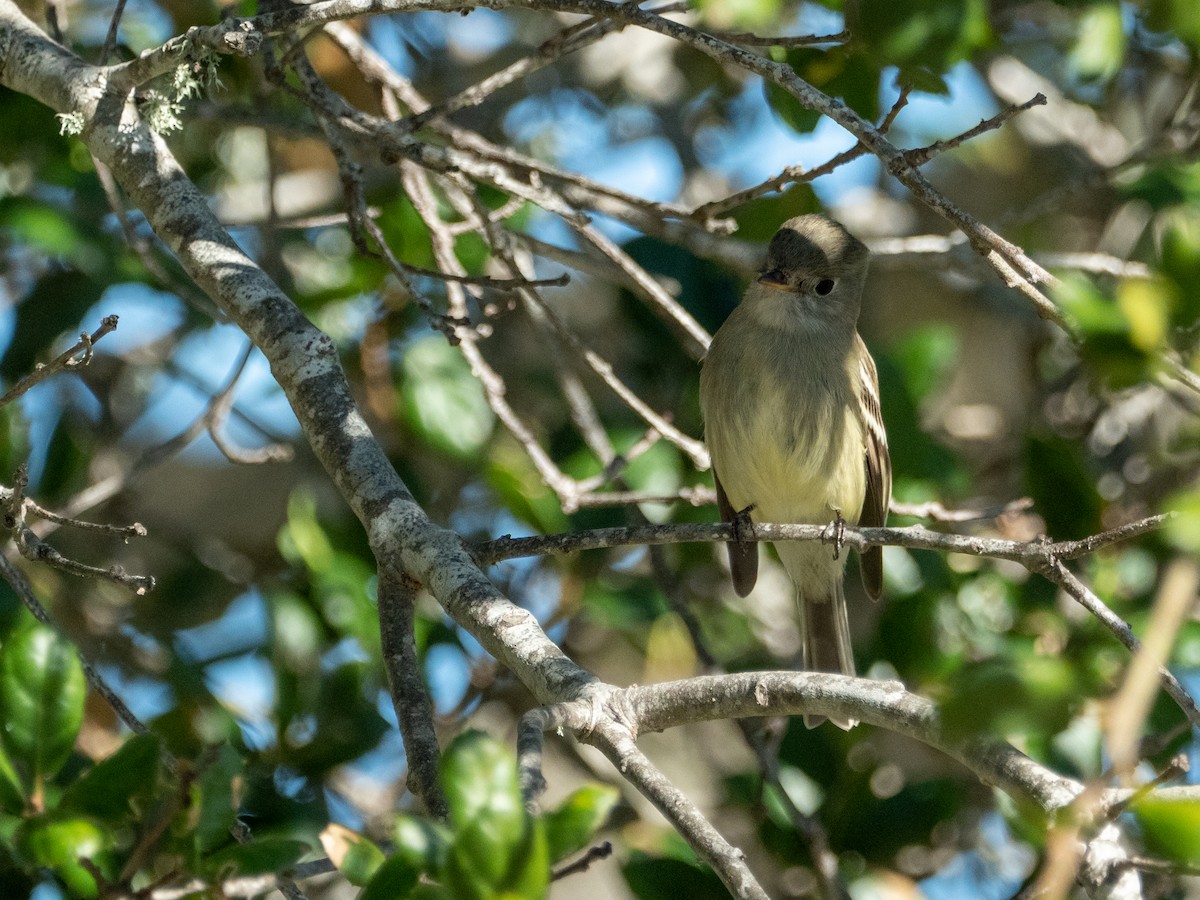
x: 790, y: 399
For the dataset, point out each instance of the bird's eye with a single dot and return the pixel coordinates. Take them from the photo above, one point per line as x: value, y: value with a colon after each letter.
x: 824, y: 286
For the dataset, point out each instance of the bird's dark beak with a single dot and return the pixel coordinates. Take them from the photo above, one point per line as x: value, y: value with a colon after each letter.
x: 773, y: 278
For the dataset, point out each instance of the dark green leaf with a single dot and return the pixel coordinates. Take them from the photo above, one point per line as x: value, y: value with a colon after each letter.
x: 112, y: 788
x: 848, y: 76
x: 348, y: 723
x: 1061, y: 487
x: 42, y: 690
x: 216, y: 796
x: 934, y: 34
x: 55, y: 304
x: 998, y: 696
x: 260, y: 856
x: 394, y: 879
x: 653, y: 878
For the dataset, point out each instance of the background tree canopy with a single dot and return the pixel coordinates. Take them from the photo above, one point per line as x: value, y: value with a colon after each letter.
x: 347, y: 359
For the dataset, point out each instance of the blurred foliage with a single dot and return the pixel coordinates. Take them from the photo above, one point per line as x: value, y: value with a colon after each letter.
x: 256, y: 661
x: 491, y: 848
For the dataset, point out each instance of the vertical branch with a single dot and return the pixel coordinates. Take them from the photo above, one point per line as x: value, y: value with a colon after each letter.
x: 410, y: 699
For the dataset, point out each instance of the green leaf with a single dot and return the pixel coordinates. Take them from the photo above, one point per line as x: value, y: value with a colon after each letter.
x: 442, y: 400
x: 394, y: 879
x: 1180, y: 244
x: 479, y: 776
x: 1100, y: 45
x: 658, y: 878
x: 42, y: 690
x: 1016, y: 693
x: 109, y: 790
x: 59, y: 843
x: 851, y: 77
x: 1061, y: 486
x: 216, y: 796
x: 419, y: 841
x: 1171, y: 828
x: 348, y: 723
x: 529, y: 876
x: 12, y: 792
x: 303, y: 539
x: 1110, y: 344
x: 260, y: 856
x: 571, y: 826
x: 1182, y: 17
x: 1183, y: 528
x: 933, y: 34
x: 748, y: 14
x: 355, y: 856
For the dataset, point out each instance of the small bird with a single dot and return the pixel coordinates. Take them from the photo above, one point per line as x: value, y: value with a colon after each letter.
x: 790, y: 398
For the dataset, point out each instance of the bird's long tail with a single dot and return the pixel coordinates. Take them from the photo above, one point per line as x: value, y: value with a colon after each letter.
x: 825, y: 636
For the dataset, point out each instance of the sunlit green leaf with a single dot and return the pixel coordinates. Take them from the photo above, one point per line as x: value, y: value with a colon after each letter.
x: 420, y: 841
x: 576, y: 820
x: 1171, y: 828
x: 60, y: 843
x: 749, y: 14
x: 1100, y: 45
x: 1183, y: 528
x: 356, y: 856
x: 110, y: 790
x: 443, y: 401
x: 479, y: 776
x: 303, y: 538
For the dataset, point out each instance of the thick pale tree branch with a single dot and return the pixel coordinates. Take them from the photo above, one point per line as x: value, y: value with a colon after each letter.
x: 303, y: 359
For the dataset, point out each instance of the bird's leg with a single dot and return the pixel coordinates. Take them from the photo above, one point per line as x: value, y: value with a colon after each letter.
x: 743, y: 525
x: 838, y: 527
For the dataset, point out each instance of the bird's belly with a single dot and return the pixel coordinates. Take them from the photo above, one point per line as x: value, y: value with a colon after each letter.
x: 789, y: 478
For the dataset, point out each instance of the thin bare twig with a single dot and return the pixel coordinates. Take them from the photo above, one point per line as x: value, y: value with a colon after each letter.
x: 594, y: 854
x: 80, y: 354
x: 922, y: 155
x: 749, y: 39
x: 35, y: 549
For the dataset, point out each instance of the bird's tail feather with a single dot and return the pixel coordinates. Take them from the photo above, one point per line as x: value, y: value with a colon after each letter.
x: 825, y: 637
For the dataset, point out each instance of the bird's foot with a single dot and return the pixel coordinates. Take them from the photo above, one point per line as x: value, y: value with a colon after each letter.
x: 743, y: 525
x: 835, y: 531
